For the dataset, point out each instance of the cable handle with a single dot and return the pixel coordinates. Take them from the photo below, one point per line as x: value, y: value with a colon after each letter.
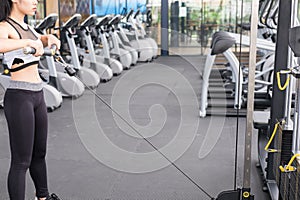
x: 289, y: 167
x: 278, y: 124
x: 52, y: 52
x: 47, y: 52
x: 70, y: 71
x: 279, y: 81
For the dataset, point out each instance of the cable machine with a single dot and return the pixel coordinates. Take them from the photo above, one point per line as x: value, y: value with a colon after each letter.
x: 280, y: 165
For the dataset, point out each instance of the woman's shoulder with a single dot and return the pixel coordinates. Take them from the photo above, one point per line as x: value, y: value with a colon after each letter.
x: 6, y: 29
x: 5, y: 25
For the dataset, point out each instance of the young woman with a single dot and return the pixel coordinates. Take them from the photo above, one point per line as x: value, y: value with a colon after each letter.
x: 24, y: 105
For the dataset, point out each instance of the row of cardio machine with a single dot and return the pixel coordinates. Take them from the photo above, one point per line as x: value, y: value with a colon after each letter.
x: 224, y: 88
x: 97, y: 49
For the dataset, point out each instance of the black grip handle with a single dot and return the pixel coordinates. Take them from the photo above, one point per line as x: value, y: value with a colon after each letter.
x: 29, y: 50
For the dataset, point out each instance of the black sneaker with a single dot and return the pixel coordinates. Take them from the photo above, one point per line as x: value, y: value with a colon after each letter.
x: 53, y: 197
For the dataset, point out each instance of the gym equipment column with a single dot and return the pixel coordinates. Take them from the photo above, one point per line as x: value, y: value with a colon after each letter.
x: 164, y: 28
x: 174, y: 24
x: 92, y: 7
x: 281, y: 62
x: 182, y: 23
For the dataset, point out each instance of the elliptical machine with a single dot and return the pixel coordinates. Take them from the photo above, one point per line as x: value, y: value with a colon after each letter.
x: 67, y: 85
x: 142, y: 33
x: 125, y: 43
x: 88, y: 50
x: 88, y: 76
x: 143, y: 46
x: 117, y: 48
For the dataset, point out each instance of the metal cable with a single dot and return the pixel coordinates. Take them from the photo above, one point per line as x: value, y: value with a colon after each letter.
x: 238, y: 110
x: 153, y: 146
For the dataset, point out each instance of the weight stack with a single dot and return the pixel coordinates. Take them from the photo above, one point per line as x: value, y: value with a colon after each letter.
x: 283, y: 143
x: 284, y: 186
x: 294, y: 193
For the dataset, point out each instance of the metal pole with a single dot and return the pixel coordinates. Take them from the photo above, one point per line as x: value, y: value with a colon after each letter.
x: 236, y: 16
x: 182, y: 23
x: 45, y: 9
x: 93, y: 6
x: 59, y: 17
x: 250, y: 98
x: 202, y: 27
x: 290, y: 124
x: 164, y: 28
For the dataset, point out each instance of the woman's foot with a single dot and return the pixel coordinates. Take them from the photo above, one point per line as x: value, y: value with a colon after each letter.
x: 53, y: 197
x: 50, y: 197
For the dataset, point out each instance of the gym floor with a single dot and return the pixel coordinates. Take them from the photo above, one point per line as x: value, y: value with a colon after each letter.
x: 161, y: 99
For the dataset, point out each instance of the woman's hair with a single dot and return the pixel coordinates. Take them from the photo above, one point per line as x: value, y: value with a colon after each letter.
x: 5, y: 9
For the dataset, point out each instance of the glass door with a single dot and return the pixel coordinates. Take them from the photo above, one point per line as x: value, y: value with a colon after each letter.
x: 192, y: 22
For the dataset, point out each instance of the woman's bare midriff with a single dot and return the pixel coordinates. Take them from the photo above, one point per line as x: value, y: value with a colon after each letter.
x: 28, y: 74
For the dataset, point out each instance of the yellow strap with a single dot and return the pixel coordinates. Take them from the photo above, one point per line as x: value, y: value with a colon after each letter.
x: 271, y: 139
x: 279, y: 82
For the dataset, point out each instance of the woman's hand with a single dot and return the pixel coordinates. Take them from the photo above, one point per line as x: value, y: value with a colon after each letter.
x: 52, y: 40
x: 38, y: 46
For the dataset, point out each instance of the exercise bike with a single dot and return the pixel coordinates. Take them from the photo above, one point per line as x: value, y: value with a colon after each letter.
x: 68, y: 86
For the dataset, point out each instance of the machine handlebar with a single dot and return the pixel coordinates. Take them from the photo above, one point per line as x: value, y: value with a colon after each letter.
x: 47, y: 52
